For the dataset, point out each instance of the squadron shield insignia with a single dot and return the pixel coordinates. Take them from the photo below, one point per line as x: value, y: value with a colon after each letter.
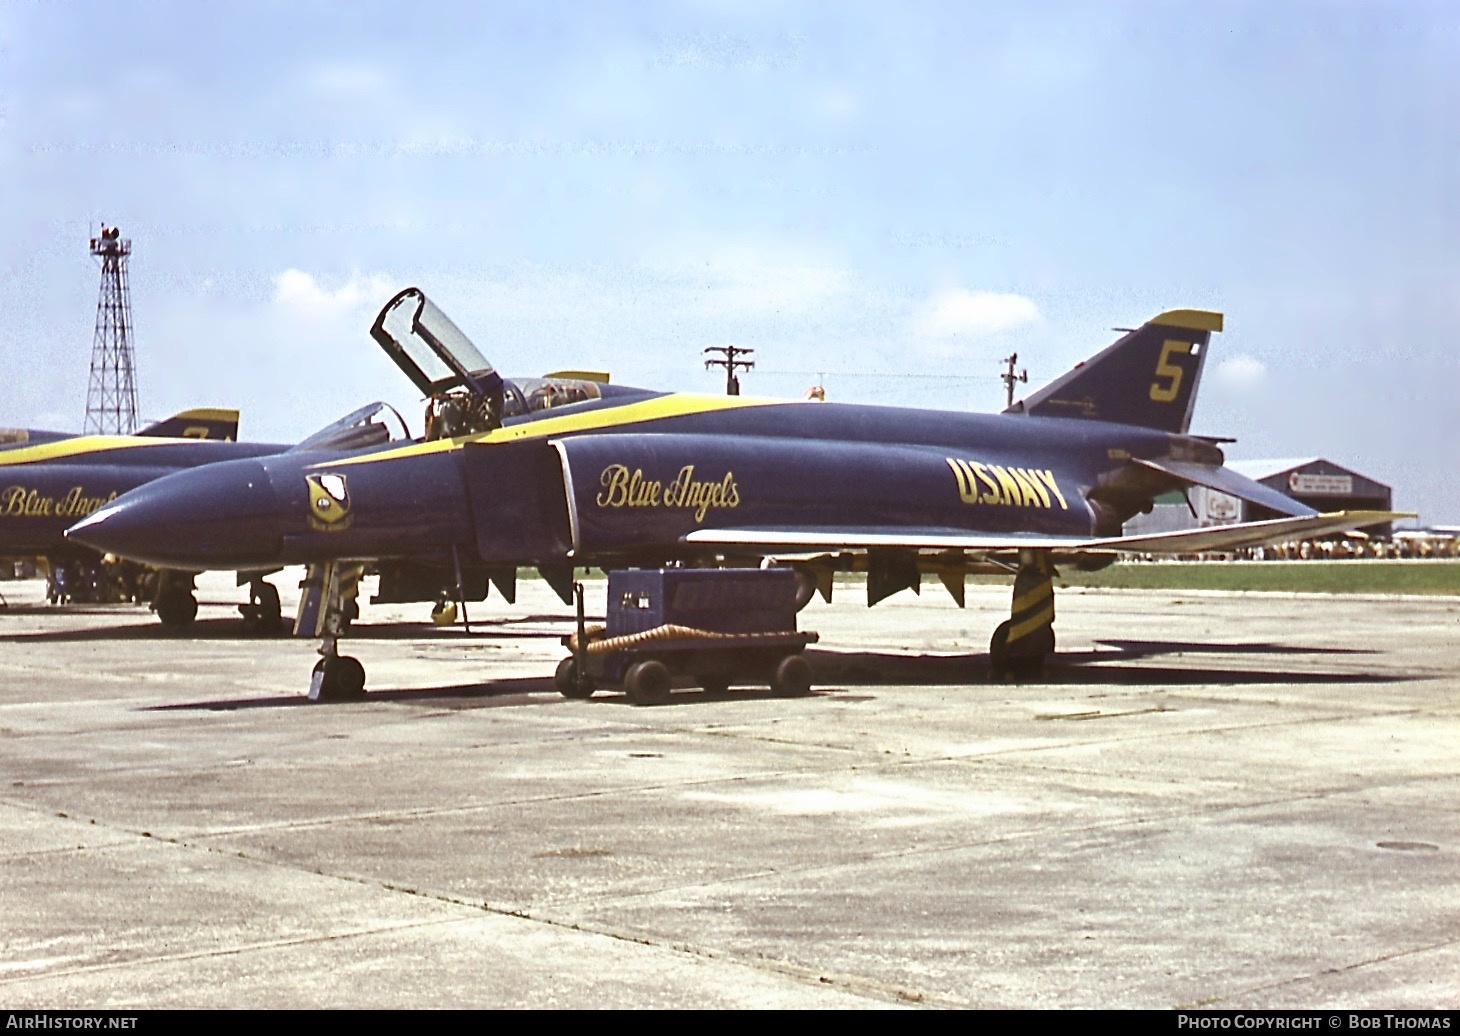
x: 329, y: 502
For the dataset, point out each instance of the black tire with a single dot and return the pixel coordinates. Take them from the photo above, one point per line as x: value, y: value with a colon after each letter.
x: 566, y: 679
x: 1021, y: 667
x: 805, y: 586
x: 341, y: 678
x: 350, y: 678
x: 792, y: 678
x: 270, y: 612
x: 177, y: 610
x: 647, y: 683
x: 998, y: 644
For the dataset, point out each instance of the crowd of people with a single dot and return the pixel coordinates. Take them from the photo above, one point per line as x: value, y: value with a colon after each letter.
x: 1401, y: 547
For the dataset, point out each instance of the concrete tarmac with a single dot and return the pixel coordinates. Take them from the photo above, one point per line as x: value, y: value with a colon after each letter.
x: 1211, y: 800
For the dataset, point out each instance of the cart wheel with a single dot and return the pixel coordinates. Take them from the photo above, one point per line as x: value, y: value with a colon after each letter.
x: 792, y: 677
x: 566, y: 679
x: 716, y: 683
x: 647, y: 683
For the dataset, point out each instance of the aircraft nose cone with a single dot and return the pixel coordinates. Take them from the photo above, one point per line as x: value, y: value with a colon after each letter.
x: 217, y: 516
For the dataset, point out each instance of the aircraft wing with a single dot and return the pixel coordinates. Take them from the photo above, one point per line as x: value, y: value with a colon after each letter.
x: 1186, y: 541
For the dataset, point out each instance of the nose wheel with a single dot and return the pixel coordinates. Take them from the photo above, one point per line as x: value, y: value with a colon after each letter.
x: 337, y: 678
x: 325, y: 610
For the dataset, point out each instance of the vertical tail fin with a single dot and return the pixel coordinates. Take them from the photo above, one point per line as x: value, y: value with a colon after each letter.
x: 1148, y: 377
x: 199, y: 423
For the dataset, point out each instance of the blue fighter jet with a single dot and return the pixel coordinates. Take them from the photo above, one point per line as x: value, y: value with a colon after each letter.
x: 564, y: 473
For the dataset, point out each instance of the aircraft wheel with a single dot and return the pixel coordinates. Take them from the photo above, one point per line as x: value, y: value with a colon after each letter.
x: 443, y: 613
x: 262, y: 614
x: 566, y: 679
x: 805, y: 586
x: 716, y: 683
x: 270, y: 613
x: 647, y: 683
x: 1021, y: 667
x: 351, y: 678
x: 792, y: 677
x: 340, y: 678
x: 176, y: 610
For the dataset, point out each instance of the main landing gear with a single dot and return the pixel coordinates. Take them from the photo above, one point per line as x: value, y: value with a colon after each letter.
x: 174, y: 602
x: 325, y: 611
x: 1023, y: 641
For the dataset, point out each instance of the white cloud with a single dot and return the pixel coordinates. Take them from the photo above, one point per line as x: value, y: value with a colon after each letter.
x: 298, y: 291
x: 1241, y: 372
x: 962, y: 313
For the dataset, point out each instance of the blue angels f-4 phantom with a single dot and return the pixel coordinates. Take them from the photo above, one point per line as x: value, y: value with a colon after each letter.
x: 50, y: 480
x: 563, y: 473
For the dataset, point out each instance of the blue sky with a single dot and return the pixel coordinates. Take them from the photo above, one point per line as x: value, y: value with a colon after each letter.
x: 883, y: 198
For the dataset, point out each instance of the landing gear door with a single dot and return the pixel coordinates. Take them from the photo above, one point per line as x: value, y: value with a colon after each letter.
x: 518, y: 502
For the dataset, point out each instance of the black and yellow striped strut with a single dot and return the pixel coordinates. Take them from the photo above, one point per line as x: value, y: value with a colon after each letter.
x: 328, y: 587
x: 1031, y: 619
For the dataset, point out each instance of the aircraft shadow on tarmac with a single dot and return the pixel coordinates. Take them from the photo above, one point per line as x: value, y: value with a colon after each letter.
x: 837, y: 673
x: 140, y: 625
x: 513, y: 692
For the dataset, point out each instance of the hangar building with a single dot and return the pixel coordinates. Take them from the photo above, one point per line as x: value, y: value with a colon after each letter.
x: 1319, y: 483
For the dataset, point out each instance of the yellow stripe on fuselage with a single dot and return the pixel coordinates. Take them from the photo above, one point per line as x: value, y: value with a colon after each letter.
x: 657, y: 409
x: 81, y: 444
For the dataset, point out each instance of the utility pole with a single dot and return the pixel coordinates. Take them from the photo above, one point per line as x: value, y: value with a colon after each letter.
x: 730, y: 363
x: 111, y: 397
x: 1009, y: 377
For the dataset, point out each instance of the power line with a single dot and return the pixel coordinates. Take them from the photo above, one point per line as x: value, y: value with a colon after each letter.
x: 728, y: 361
x: 887, y: 375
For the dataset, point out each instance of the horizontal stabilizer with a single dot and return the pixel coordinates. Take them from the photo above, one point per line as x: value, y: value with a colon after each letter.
x: 1225, y: 480
x: 198, y: 423
x: 1250, y: 534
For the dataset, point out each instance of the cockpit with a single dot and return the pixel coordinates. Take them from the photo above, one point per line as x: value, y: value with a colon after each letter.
x: 372, y: 425
x: 531, y: 395
x: 464, y: 395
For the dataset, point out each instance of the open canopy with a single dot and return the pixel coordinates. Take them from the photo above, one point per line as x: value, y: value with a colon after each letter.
x: 431, y: 350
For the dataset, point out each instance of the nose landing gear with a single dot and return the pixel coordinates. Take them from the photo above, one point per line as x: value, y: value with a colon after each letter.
x: 325, y: 610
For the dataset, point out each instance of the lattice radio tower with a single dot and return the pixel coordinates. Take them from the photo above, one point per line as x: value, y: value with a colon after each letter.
x: 111, y: 399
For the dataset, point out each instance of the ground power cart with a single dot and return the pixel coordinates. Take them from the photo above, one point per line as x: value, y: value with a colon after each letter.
x: 714, y: 626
